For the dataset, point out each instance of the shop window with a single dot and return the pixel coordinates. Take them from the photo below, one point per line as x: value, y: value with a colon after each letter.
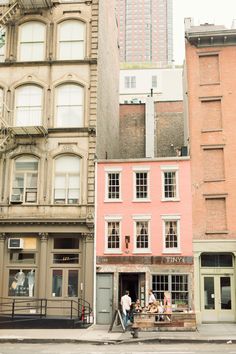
x: 25, y: 180
x: 65, y: 258
x: 28, y: 106
x: 71, y: 44
x: 20, y: 257
x: 21, y: 282
x: 216, y: 260
x: 69, y: 106
x: 73, y: 282
x: 57, y: 281
x: 66, y: 243
x: 32, y: 36
x: 176, y: 285
x: 65, y: 282
x: 67, y: 180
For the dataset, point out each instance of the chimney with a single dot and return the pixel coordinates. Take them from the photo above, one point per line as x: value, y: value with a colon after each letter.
x: 188, y: 23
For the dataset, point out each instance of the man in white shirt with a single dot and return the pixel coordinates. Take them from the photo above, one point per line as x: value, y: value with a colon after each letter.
x: 151, y: 298
x: 125, y: 304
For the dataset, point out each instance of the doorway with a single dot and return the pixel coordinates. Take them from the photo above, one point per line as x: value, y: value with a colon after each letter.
x: 217, y: 298
x: 135, y: 283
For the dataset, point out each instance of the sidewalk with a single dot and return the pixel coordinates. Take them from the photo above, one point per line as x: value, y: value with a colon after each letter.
x: 97, y: 334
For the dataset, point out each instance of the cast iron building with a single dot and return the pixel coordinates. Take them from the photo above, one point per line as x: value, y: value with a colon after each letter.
x: 145, y: 30
x: 59, y: 108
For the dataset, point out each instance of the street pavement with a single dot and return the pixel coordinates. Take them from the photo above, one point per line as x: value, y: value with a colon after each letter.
x: 97, y: 334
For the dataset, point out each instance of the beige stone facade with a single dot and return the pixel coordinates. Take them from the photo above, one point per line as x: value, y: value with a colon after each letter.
x: 50, y: 211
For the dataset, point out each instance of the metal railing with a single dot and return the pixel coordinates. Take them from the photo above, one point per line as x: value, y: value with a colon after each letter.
x: 79, y: 309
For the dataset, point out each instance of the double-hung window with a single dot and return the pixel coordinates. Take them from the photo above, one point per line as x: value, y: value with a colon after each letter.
x: 25, y: 180
x: 170, y: 188
x: 71, y: 43
x: 113, y: 185
x: 69, y: 106
x: 130, y: 81
x: 67, y: 180
x: 141, y: 233
x: 32, y: 41
x: 113, y: 234
x: 141, y: 184
x: 171, y: 233
x: 28, y: 105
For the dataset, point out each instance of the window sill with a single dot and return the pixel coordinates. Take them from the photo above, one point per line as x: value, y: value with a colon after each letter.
x: 211, y: 130
x: 141, y: 201
x: 113, y: 252
x: 214, y: 180
x: 170, y: 200
x: 172, y: 251
x: 113, y: 201
x: 216, y: 232
x: 144, y: 251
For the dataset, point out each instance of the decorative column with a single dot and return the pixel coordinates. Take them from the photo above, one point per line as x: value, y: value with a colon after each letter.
x: 88, y: 266
x: 2, y: 248
x: 43, y: 265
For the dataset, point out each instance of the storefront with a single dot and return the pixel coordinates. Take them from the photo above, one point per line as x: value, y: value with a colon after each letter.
x: 54, y: 266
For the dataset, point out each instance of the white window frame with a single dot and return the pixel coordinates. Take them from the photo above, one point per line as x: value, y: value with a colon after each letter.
x: 141, y: 170
x: 130, y: 82
x: 68, y: 106
x: 175, y: 218
x: 140, y: 218
x: 70, y: 42
x: 66, y: 186
x: 112, y: 218
x: 29, y: 108
x: 169, y: 169
x: 107, y: 172
x: 31, y: 48
x: 26, y: 173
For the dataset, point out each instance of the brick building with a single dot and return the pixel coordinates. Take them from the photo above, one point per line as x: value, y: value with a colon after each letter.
x: 210, y: 132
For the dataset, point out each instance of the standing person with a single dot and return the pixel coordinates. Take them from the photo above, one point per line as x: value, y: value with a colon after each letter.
x: 125, y: 304
x: 151, y: 298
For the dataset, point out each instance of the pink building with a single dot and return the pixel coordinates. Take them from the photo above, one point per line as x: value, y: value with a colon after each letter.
x: 143, y: 232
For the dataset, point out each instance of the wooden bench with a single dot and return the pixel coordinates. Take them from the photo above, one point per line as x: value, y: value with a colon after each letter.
x: 166, y: 321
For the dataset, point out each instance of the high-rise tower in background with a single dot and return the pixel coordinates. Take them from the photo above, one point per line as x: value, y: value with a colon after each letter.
x: 145, y: 30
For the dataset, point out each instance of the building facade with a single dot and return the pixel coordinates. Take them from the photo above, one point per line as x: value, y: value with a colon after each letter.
x: 55, y: 117
x: 145, y: 30
x: 211, y: 104
x: 143, y: 232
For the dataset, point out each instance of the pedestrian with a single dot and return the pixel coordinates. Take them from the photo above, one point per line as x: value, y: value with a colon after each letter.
x: 125, y: 304
x: 151, y: 298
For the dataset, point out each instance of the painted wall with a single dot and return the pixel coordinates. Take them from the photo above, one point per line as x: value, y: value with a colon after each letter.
x: 154, y: 208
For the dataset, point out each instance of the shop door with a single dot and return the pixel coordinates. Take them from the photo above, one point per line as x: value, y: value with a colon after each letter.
x: 217, y: 298
x: 64, y: 291
x: 104, y: 298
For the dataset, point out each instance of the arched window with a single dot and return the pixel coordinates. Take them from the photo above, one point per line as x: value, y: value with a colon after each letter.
x: 71, y: 40
x: 69, y: 105
x: 32, y: 37
x: 28, y: 105
x: 25, y: 180
x: 67, y: 180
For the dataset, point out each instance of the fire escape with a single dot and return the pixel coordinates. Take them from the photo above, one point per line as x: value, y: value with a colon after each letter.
x: 9, y: 10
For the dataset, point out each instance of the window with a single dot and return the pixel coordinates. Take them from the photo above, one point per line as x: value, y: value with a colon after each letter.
x: 25, y: 180
x: 21, y: 282
x: 141, y: 185
x: 141, y: 233
x: 71, y: 40
x: 28, y: 106
x: 176, y: 285
x: 69, y: 105
x: 113, y: 235
x: 171, y: 234
x: 67, y: 180
x: 2, y: 45
x: 32, y: 41
x: 113, y: 185
x: 154, y: 81
x: 170, y: 189
x: 130, y: 81
x: 216, y: 260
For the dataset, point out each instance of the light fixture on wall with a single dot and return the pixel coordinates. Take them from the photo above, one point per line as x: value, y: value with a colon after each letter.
x: 127, y: 241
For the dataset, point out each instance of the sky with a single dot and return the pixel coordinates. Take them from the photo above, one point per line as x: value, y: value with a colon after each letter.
x: 220, y: 12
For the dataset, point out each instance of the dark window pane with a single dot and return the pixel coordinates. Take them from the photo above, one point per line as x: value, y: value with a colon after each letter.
x: 216, y: 260
x: 63, y: 258
x: 66, y: 243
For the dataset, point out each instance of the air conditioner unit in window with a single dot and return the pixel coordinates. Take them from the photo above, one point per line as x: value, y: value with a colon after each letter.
x: 16, y: 198
x: 15, y: 243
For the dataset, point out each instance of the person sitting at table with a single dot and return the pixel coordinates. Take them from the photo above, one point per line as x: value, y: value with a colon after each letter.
x: 153, y: 308
x: 160, y: 310
x: 137, y: 306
